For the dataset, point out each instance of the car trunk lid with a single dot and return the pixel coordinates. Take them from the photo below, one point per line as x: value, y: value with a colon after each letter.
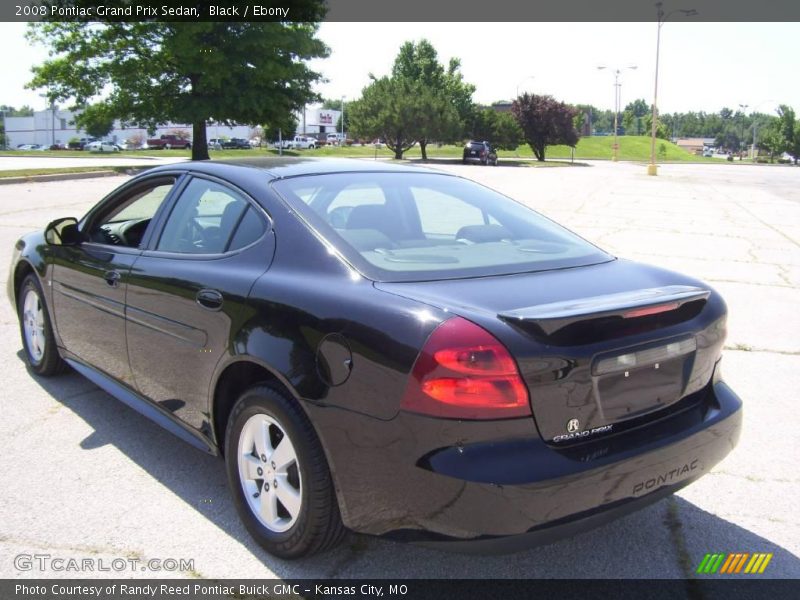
x: 641, y: 342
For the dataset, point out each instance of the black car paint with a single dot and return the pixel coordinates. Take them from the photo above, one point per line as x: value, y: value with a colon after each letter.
x: 343, y: 346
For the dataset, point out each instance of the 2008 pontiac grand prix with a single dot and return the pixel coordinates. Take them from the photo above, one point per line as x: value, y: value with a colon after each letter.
x: 385, y: 349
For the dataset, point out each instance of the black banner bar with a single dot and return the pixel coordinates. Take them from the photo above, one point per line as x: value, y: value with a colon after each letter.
x: 397, y: 11
x: 745, y: 587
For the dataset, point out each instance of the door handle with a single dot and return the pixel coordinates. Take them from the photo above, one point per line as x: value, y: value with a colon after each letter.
x: 209, y: 299
x: 112, y: 278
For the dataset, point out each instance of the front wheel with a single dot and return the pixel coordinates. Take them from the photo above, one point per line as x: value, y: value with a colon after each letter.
x: 38, y: 340
x: 279, y: 476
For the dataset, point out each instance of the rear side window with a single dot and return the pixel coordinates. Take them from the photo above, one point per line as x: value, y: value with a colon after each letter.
x: 210, y: 218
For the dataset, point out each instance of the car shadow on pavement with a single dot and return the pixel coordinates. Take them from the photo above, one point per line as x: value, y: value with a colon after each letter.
x: 666, y: 540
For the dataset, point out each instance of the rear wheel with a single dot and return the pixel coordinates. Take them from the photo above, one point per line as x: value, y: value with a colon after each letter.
x: 279, y: 476
x: 38, y: 340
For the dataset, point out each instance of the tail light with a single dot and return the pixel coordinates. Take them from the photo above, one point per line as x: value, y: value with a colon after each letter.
x: 464, y: 372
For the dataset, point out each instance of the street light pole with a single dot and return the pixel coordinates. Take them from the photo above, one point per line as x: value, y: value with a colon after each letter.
x: 617, y: 104
x: 342, y: 140
x: 741, y: 139
x: 661, y: 18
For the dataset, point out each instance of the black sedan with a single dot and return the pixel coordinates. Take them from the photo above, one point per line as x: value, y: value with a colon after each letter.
x: 385, y: 349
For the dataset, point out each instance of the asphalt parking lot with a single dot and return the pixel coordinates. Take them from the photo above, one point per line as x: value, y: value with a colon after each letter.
x: 84, y: 476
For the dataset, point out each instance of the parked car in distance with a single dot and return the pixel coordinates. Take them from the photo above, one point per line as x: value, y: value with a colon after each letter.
x: 481, y: 152
x: 235, y: 144
x: 335, y: 139
x: 167, y: 142
x: 383, y: 348
x: 298, y: 142
x: 215, y: 143
x: 101, y: 146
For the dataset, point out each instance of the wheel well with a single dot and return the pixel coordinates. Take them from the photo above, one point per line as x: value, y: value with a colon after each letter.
x: 235, y: 379
x: 23, y: 270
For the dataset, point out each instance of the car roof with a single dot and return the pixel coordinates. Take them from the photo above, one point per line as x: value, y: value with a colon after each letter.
x: 281, y: 167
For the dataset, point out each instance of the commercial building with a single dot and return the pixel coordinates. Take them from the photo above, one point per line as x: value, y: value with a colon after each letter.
x: 56, y: 126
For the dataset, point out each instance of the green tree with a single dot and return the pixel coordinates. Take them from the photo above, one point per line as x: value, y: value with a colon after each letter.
x: 287, y: 126
x: 632, y: 117
x: 794, y: 147
x: 729, y: 138
x: 400, y: 111
x: 787, y: 125
x: 96, y: 119
x: 418, y: 62
x: 545, y: 122
x: 10, y: 111
x: 499, y: 128
x: 661, y: 127
x: 151, y: 73
x: 772, y: 139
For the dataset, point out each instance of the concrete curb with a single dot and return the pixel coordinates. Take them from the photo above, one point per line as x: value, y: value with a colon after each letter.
x: 66, y: 176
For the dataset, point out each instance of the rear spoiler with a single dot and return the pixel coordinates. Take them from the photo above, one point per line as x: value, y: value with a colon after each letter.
x: 636, y: 303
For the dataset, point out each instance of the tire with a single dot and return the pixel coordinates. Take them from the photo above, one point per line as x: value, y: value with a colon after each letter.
x: 188, y: 147
x: 301, y: 515
x: 38, y: 341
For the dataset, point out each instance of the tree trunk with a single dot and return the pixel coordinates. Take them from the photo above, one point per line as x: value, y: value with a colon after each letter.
x: 199, y: 141
x: 398, y: 148
x: 423, y: 147
x: 538, y: 152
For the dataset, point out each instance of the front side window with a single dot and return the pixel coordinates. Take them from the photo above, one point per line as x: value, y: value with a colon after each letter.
x: 417, y: 226
x: 210, y: 218
x: 125, y: 222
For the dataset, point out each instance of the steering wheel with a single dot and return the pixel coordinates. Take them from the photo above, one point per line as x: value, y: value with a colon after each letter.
x: 132, y: 233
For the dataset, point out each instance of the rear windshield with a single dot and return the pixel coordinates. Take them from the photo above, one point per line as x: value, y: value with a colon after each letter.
x: 422, y: 226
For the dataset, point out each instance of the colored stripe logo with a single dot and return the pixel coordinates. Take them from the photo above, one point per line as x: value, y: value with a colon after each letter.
x: 734, y: 563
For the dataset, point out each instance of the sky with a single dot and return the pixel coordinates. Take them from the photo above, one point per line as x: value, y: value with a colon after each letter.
x: 703, y: 66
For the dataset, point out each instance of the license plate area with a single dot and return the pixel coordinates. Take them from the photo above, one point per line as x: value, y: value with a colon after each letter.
x: 635, y: 382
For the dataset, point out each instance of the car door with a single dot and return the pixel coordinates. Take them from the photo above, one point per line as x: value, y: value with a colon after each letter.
x: 187, y: 290
x: 90, y: 280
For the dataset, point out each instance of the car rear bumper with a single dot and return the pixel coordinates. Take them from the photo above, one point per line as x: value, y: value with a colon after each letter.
x: 505, y: 493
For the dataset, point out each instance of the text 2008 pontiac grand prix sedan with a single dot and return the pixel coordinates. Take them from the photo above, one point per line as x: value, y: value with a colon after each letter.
x: 384, y: 349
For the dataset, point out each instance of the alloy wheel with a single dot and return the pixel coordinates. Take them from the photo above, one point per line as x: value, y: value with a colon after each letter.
x: 33, y: 325
x: 269, y: 473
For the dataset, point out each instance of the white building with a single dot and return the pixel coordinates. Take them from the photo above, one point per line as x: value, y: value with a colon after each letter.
x: 55, y: 126
x: 317, y: 121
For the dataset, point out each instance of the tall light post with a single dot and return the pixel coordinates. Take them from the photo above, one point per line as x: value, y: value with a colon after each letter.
x: 5, y: 130
x: 342, y: 140
x: 743, y: 108
x: 617, y: 101
x: 661, y: 18
x: 522, y: 81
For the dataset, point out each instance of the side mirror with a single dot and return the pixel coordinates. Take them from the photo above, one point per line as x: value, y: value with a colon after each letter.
x: 63, y: 232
